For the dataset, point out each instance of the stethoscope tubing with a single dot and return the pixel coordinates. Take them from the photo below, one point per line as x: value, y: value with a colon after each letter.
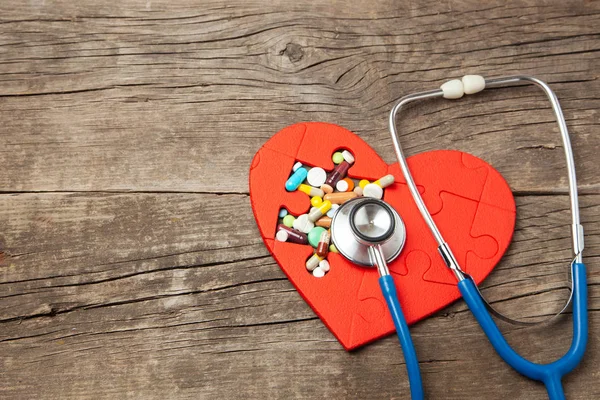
x: 550, y: 374
x: 388, y: 288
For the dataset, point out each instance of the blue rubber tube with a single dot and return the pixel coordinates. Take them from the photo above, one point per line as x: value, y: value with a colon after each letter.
x: 552, y: 373
x: 410, y: 355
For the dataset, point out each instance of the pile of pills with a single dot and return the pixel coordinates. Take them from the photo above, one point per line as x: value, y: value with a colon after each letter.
x: 327, y: 192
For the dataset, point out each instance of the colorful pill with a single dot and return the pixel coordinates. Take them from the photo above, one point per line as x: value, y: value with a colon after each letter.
x: 316, y: 177
x: 342, y: 186
x: 340, y: 198
x: 288, y: 220
x: 348, y: 156
x: 296, y: 179
x: 316, y: 201
x: 282, y: 235
x: 323, y: 245
x: 363, y: 183
x: 282, y: 213
x: 324, y: 265
x: 337, y: 157
x: 313, y: 262
x: 311, y: 191
x: 373, y: 190
x: 293, y: 235
x: 315, y: 235
x: 324, y: 222
x: 333, y: 249
x: 296, y: 166
x: 318, y: 212
x: 327, y: 188
x: 385, y: 181
x: 358, y: 190
x: 303, y: 224
x: 318, y: 272
x: 339, y: 172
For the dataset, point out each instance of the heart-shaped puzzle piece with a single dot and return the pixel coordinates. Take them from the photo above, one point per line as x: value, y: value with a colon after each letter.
x: 470, y: 202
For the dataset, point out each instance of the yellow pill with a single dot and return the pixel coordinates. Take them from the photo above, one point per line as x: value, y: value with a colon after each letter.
x: 316, y: 201
x: 318, y: 212
x: 363, y: 183
x: 333, y: 249
x: 384, y: 181
x: 311, y: 191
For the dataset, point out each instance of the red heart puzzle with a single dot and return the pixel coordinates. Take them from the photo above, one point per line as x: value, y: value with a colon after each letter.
x: 470, y: 202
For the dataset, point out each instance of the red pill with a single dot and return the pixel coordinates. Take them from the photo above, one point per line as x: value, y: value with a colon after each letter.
x: 339, y: 172
x: 294, y: 236
x: 323, y: 247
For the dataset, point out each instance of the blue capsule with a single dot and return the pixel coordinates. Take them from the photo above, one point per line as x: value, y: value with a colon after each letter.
x: 296, y: 179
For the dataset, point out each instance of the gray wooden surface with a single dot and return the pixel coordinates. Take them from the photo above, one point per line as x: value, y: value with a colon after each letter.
x: 130, y: 264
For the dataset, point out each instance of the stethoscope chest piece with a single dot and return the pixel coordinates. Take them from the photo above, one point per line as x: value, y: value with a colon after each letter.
x: 364, y: 222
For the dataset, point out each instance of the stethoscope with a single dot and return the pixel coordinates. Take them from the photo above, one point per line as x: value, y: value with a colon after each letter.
x: 370, y: 232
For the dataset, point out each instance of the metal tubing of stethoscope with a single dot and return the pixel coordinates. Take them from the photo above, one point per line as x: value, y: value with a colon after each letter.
x: 577, y: 230
x: 402, y: 160
x: 378, y: 259
x: 443, y: 247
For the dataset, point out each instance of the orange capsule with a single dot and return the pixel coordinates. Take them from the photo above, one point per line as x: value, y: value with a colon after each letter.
x: 340, y: 197
x: 323, y: 222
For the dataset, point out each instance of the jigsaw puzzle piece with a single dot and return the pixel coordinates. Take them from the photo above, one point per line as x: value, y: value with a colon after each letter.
x: 455, y: 222
x: 288, y: 140
x: 418, y: 235
x: 496, y: 191
x: 333, y: 297
x: 269, y: 171
x: 417, y: 296
x: 370, y: 318
x: 490, y: 221
x: 444, y: 171
x: 321, y: 140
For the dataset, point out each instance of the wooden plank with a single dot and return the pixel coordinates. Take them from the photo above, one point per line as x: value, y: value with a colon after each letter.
x: 163, y: 289
x: 165, y: 295
x: 119, y: 92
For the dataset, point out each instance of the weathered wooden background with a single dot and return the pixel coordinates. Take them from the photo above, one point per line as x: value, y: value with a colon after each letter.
x: 130, y: 264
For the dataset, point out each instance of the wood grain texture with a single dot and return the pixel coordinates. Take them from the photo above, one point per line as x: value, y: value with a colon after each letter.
x: 130, y: 264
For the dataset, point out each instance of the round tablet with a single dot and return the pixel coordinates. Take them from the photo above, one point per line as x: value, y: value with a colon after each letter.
x: 337, y: 157
x: 373, y: 190
x: 316, y: 177
x: 302, y: 224
x: 341, y: 186
x: 316, y: 201
x: 282, y: 213
x: 288, y: 220
x: 324, y: 265
x: 318, y: 272
x: 315, y: 235
x: 282, y: 236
